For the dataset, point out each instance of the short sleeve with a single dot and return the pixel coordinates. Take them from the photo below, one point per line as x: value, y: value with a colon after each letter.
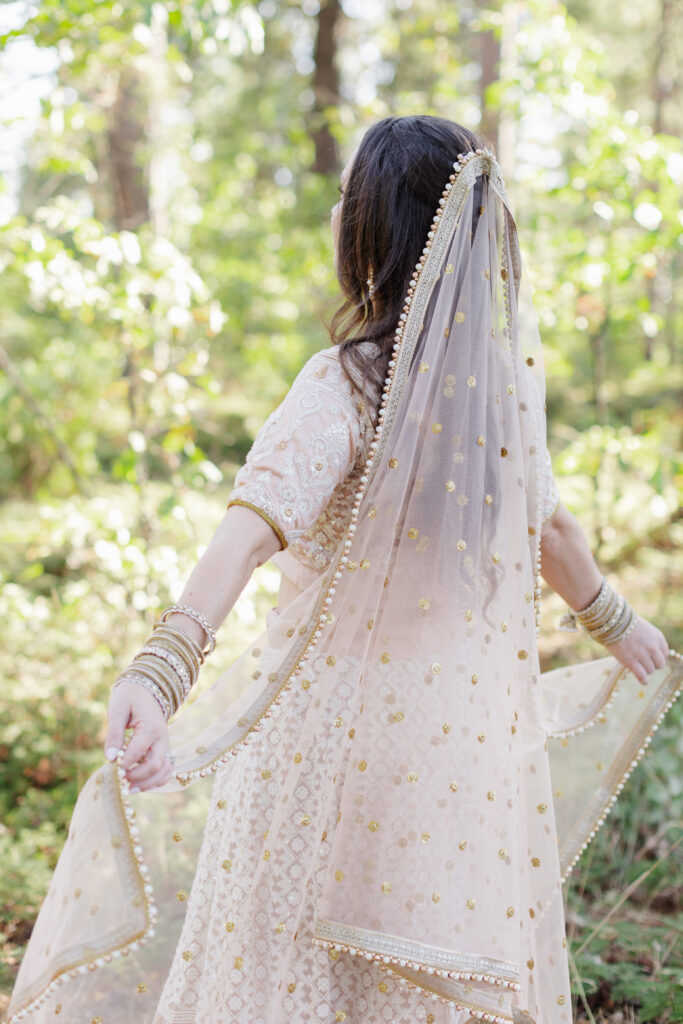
x: 550, y: 497
x: 303, y: 451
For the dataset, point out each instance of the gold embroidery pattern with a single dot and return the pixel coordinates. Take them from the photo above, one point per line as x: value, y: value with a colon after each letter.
x: 415, y: 955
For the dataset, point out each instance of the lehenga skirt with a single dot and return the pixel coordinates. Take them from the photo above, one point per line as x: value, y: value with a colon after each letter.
x: 195, y: 903
x: 246, y: 949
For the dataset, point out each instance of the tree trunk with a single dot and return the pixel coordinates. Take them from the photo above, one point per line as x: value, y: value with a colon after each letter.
x: 161, y: 150
x: 325, y: 88
x: 661, y: 80
x: 507, y: 70
x: 129, y: 180
x: 489, y: 56
x: 660, y: 90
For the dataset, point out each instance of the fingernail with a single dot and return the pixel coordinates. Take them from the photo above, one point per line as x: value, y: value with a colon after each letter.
x: 111, y: 753
x: 135, y: 789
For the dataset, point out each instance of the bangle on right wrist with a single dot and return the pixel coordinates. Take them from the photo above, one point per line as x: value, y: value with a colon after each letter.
x: 168, y: 663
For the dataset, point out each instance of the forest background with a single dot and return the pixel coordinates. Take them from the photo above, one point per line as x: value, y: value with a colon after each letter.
x: 166, y: 265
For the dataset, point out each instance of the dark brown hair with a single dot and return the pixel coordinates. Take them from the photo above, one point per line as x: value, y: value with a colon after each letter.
x: 393, y: 190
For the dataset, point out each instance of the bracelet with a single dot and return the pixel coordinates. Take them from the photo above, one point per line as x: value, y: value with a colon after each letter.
x: 608, y: 618
x: 155, y: 675
x: 622, y: 630
x: 613, y: 612
x: 192, y: 613
x: 570, y: 620
x: 177, y: 664
x: 597, y: 602
x: 188, y: 644
x: 169, y: 648
x: 164, y: 676
x: 133, y: 677
x: 169, y: 662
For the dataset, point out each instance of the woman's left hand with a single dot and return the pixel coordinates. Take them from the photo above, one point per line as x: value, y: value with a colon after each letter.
x: 642, y: 651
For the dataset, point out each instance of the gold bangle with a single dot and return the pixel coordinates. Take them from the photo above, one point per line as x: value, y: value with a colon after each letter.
x: 601, y: 614
x: 154, y: 671
x: 596, y: 603
x: 176, y: 648
x: 172, y: 658
x: 190, y: 646
x: 621, y: 628
x: 167, y: 673
x: 616, y: 616
x: 199, y: 618
x: 152, y: 687
x: 174, y: 643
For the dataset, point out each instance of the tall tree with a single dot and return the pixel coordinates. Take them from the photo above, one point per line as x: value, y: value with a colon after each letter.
x: 325, y: 88
x: 489, y: 59
x: 126, y: 131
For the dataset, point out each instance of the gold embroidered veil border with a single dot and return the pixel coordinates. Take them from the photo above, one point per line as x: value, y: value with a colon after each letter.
x: 471, y: 783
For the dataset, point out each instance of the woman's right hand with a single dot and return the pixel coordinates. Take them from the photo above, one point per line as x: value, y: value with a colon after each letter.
x: 145, y: 760
x: 642, y: 651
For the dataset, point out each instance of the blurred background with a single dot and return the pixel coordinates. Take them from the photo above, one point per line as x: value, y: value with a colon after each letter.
x: 167, y: 171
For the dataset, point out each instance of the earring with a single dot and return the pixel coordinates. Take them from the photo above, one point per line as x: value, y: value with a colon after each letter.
x: 371, y: 284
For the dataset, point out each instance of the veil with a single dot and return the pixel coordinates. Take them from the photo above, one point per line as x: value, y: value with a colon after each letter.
x: 461, y: 784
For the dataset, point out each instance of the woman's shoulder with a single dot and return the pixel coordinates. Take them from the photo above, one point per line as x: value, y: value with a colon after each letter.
x: 324, y: 368
x: 326, y: 364
x: 321, y: 362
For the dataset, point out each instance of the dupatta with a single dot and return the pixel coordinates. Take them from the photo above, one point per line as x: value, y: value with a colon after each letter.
x: 471, y: 782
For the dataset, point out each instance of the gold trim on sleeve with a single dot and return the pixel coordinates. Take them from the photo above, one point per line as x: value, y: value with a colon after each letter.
x: 264, y: 515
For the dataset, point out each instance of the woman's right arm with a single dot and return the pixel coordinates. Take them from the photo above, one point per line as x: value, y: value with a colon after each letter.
x: 568, y: 566
x: 302, y: 452
x: 243, y: 541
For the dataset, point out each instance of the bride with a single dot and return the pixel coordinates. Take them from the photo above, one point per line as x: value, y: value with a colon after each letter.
x: 370, y: 815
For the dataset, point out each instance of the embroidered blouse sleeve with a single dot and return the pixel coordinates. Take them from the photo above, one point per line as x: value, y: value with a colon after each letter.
x: 550, y: 497
x: 303, y: 451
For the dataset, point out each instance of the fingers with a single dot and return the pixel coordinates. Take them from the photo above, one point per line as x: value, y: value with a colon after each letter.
x: 119, y: 713
x: 142, y: 739
x: 157, y: 779
x: 647, y: 662
x: 663, y: 650
x: 640, y: 672
x: 658, y: 658
x: 152, y: 764
x: 656, y: 655
x: 643, y: 652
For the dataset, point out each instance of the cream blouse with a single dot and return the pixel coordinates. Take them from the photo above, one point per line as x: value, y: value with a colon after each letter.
x: 301, y: 473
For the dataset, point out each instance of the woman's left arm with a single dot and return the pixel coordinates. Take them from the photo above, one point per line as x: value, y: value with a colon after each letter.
x: 568, y: 566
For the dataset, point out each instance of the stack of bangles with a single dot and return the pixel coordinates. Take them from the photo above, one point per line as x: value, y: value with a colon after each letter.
x: 608, y: 618
x: 169, y: 662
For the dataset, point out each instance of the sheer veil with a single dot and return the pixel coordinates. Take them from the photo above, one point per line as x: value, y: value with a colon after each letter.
x: 465, y: 784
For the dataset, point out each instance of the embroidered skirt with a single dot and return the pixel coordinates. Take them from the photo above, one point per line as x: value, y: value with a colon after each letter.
x: 246, y: 952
